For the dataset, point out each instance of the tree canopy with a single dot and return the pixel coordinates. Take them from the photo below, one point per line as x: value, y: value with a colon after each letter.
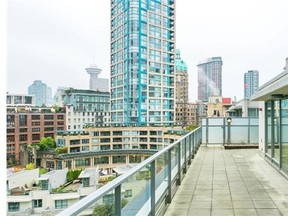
x: 46, y: 143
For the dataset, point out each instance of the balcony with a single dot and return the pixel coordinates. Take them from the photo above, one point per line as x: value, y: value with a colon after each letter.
x: 197, y: 175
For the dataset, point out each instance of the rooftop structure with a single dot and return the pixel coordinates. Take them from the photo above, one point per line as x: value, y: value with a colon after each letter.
x: 20, y: 100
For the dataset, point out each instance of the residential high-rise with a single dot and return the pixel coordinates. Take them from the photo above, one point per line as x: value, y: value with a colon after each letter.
x: 251, y: 83
x: 40, y: 91
x: 96, y: 83
x: 209, y: 78
x: 142, y: 62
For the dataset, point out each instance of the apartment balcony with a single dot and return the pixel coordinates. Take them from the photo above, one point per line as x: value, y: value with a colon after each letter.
x: 197, y: 175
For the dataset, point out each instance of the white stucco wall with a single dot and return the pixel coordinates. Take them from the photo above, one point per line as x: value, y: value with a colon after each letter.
x: 262, y: 127
x: 19, y: 179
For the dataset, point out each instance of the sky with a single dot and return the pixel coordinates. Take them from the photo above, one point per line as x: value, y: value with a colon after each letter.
x: 55, y: 40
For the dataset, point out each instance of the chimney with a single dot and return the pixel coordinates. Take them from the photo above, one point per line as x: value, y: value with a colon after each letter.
x: 286, y: 66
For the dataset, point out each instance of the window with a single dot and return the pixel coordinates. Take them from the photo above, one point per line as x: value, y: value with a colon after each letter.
x: 101, y: 160
x: 82, y: 162
x: 22, y: 120
x: 108, y: 198
x: 85, y: 141
x: 13, y: 206
x: 37, y: 203
x: 128, y: 193
x: 85, y: 182
x: 44, y: 184
x: 61, y: 204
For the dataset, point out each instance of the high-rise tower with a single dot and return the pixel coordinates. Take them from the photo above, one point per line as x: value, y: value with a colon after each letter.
x: 142, y: 62
x: 40, y: 91
x: 251, y: 83
x: 209, y: 78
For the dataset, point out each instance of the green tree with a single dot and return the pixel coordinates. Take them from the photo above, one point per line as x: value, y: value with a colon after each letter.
x: 107, y: 209
x: 61, y: 150
x: 191, y: 127
x: 46, y: 143
x: 56, y: 108
x: 73, y: 174
x: 30, y: 166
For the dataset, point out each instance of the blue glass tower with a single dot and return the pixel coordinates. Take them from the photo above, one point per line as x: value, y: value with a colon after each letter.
x: 142, y: 62
x: 40, y: 91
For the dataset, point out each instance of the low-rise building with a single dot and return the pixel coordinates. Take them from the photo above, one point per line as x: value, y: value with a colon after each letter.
x: 27, y: 125
x: 244, y: 108
x: 86, y: 108
x: 218, y: 106
x: 108, y: 147
x: 187, y: 113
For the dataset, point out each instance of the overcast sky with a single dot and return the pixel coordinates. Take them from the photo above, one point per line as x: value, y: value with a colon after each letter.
x: 55, y: 40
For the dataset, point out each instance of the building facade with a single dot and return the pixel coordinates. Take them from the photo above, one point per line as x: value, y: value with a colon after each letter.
x: 86, y: 108
x: 209, y: 78
x: 142, y: 62
x: 181, y: 93
x: 251, y: 83
x: 218, y: 106
x: 40, y: 91
x: 111, y: 146
x: 187, y: 114
x: 27, y: 125
x: 96, y: 83
x: 244, y: 108
x: 273, y: 120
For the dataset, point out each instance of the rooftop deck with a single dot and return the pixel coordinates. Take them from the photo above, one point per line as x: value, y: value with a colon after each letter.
x: 230, y: 182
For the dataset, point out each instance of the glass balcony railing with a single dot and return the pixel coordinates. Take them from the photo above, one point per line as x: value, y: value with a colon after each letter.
x: 147, y: 187
x: 240, y: 131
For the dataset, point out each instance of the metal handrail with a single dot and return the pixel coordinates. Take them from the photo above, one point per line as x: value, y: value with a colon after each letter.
x: 116, y: 183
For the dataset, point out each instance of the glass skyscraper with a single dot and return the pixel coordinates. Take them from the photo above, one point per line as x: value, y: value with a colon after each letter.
x: 142, y: 62
x: 209, y: 78
x: 40, y: 91
x: 251, y: 83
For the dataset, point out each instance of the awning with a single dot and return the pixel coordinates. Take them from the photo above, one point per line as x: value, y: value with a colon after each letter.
x: 274, y: 89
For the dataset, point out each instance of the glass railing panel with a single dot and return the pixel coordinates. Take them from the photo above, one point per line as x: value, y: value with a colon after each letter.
x: 254, y: 135
x: 240, y: 121
x: 215, y: 121
x: 161, y: 181
x: 174, y: 162
x: 137, y: 191
x: 204, y: 134
x: 182, y: 143
x: 254, y: 121
x: 239, y: 135
x: 215, y: 135
x: 104, y: 206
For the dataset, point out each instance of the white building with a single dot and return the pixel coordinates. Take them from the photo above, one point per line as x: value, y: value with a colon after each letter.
x: 27, y: 198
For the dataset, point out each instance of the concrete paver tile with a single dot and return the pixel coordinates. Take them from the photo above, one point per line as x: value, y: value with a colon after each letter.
x: 268, y: 212
x: 245, y: 212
